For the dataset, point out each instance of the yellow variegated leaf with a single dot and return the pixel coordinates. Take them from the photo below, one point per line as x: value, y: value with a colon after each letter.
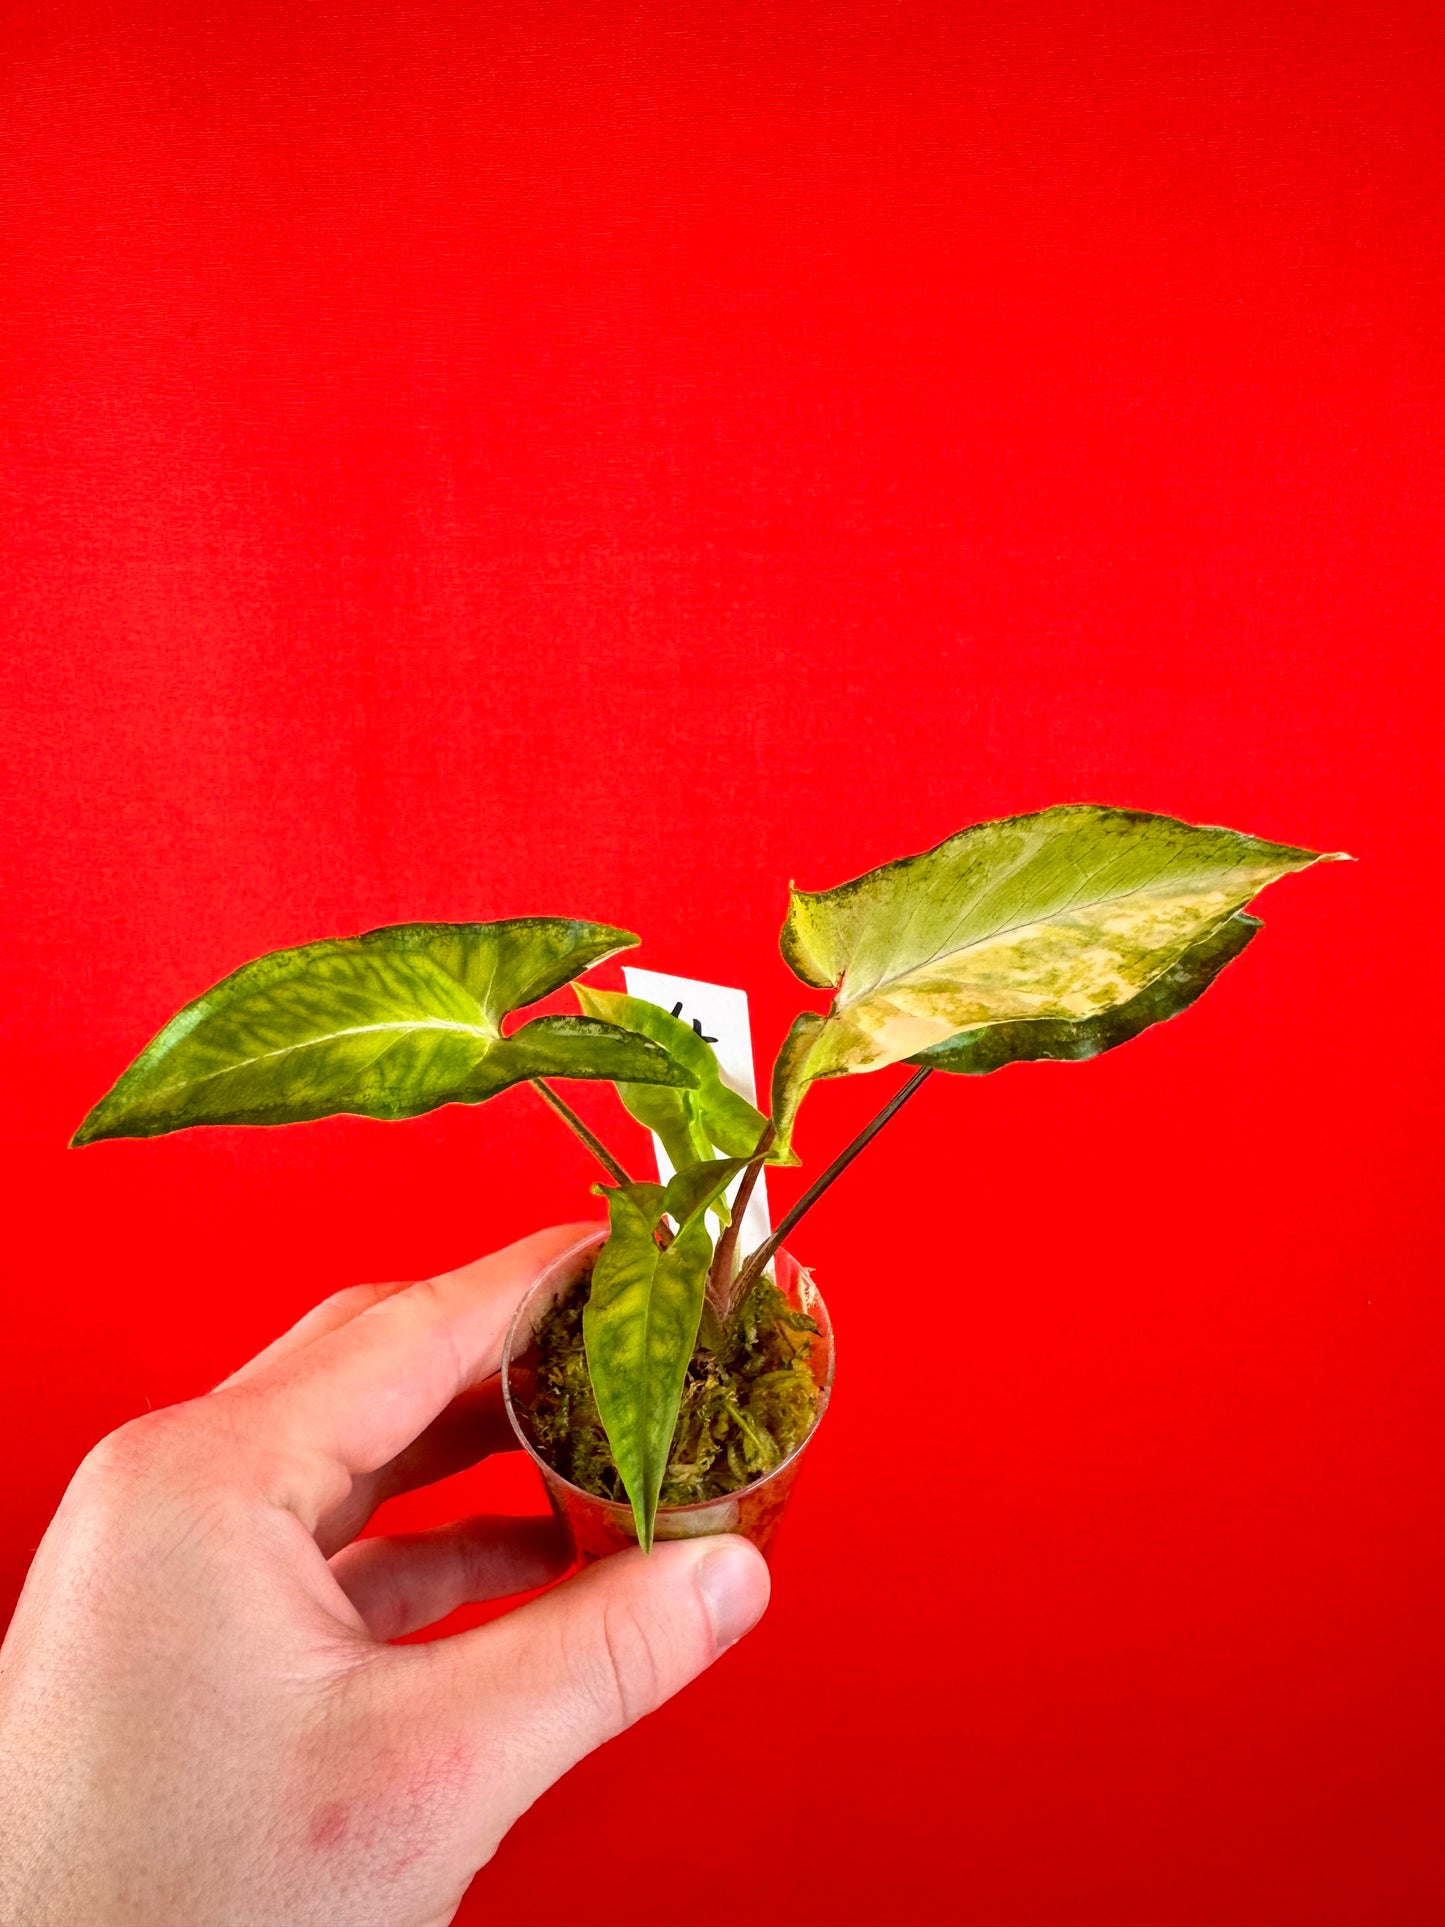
x: 790, y: 1081
x: 1074, y: 1039
x: 385, y: 1025
x: 1061, y: 916
x: 641, y: 1320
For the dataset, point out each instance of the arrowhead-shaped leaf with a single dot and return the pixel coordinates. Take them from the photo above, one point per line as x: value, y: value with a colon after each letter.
x: 689, y: 1122
x: 1067, y: 1040
x: 1062, y: 916
x: 385, y: 1025
x: 641, y: 1321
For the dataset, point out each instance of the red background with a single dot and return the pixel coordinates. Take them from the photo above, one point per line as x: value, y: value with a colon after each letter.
x: 463, y: 461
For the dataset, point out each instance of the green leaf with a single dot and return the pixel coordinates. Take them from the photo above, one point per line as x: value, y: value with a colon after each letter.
x: 641, y: 1320
x: 668, y: 1111
x: 790, y: 1081
x: 977, y: 1052
x: 387, y: 1025
x: 694, y: 1121
x: 1064, y: 915
x: 691, y: 1192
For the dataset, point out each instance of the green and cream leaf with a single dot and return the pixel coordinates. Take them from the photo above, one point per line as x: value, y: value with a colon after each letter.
x: 388, y: 1025
x: 790, y: 1081
x: 1071, y: 1040
x: 1062, y: 916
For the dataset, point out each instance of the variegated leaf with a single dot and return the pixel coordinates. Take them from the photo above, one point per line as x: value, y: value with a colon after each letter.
x: 386, y: 1025
x: 1071, y: 1040
x: 790, y: 1081
x: 641, y: 1320
x: 1063, y: 915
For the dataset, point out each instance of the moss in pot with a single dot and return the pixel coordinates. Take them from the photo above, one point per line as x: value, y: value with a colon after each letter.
x: 745, y: 1406
x: 737, y: 1442
x: 670, y: 1362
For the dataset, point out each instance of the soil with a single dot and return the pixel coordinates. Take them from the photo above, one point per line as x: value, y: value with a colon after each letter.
x: 745, y: 1404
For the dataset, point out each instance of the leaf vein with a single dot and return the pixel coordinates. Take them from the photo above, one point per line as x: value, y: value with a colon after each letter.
x: 310, y: 1043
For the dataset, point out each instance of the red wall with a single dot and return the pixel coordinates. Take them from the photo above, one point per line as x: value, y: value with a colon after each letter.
x: 468, y: 460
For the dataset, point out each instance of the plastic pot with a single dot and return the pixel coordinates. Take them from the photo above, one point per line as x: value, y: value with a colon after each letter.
x: 596, y: 1526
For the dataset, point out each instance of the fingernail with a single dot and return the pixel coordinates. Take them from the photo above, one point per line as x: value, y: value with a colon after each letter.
x: 733, y: 1580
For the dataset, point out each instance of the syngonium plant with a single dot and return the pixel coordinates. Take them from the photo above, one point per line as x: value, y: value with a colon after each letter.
x: 1057, y: 935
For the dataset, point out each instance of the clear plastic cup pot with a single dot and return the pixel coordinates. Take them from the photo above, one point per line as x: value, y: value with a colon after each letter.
x: 597, y: 1526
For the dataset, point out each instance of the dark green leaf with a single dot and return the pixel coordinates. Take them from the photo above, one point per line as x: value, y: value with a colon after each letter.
x: 385, y: 1025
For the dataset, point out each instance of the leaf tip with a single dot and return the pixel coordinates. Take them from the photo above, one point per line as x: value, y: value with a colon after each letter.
x: 644, y: 1523
x: 92, y: 1128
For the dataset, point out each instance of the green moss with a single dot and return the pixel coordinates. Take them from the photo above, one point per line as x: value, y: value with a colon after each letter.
x: 745, y: 1404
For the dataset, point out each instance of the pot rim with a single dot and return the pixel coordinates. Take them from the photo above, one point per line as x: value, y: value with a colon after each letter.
x: 617, y: 1506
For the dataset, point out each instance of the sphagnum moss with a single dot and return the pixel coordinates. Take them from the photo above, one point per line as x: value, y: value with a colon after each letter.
x: 745, y: 1406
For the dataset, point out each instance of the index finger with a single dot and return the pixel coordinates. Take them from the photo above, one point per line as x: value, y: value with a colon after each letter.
x: 350, y: 1400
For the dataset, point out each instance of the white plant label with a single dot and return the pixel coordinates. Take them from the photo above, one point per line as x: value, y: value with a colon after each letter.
x: 720, y: 1015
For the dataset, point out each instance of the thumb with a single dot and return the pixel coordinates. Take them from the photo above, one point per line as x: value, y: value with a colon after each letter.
x: 537, y: 1690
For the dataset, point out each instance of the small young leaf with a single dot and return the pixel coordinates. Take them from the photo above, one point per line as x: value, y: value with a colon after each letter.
x: 691, y: 1192
x: 641, y: 1321
x: 1064, y: 915
x: 977, y: 1052
x: 695, y: 1120
x: 387, y: 1025
x: 670, y: 1112
x: 790, y: 1081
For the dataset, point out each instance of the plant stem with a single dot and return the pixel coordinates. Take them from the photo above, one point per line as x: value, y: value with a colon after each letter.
x: 574, y: 1124
x: 758, y: 1261
x: 720, y: 1271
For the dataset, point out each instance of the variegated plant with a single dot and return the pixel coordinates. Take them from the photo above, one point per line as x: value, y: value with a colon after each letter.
x: 1051, y: 936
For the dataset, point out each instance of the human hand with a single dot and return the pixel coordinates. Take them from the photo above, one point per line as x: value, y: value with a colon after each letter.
x: 200, y: 1719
